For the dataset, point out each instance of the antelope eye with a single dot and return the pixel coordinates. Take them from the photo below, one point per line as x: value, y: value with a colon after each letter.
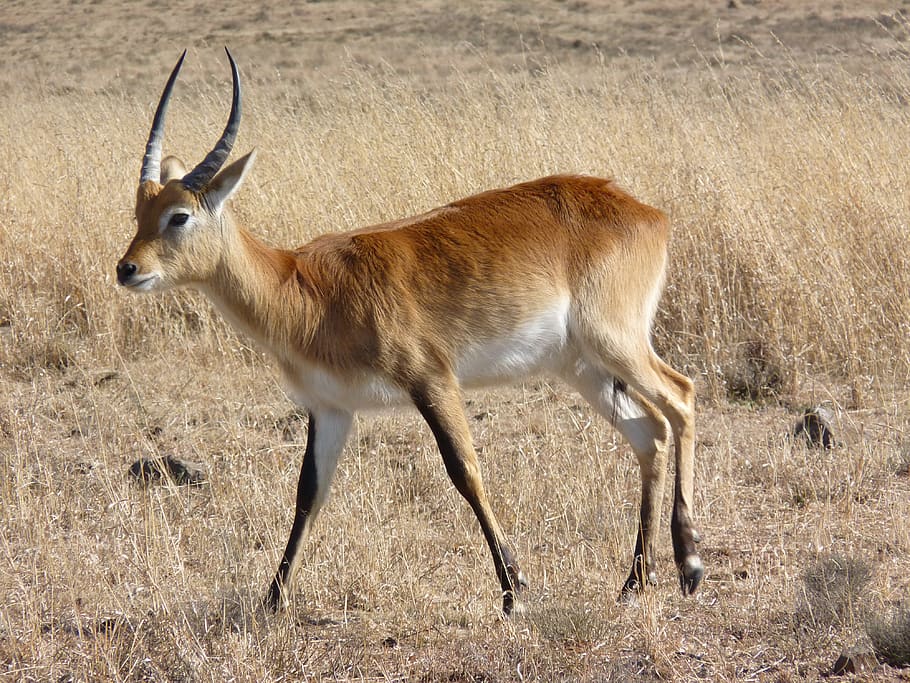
x: 179, y: 219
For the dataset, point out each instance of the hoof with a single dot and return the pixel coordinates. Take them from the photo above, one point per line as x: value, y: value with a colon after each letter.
x: 634, y: 585
x: 511, y: 605
x: 517, y: 610
x: 691, y: 572
x: 274, y: 602
x: 629, y: 596
x: 522, y: 580
x: 511, y: 599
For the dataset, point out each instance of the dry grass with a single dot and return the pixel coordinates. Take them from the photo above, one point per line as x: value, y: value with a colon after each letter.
x: 891, y: 638
x: 789, y: 191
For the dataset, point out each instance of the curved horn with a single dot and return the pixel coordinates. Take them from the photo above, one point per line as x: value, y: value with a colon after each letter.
x: 151, y: 162
x: 200, y: 176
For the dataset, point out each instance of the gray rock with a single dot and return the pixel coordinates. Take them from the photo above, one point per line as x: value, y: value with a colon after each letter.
x: 167, y: 468
x: 854, y: 661
x: 814, y: 427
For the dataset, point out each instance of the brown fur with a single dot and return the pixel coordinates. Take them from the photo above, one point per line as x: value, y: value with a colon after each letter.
x: 384, y: 298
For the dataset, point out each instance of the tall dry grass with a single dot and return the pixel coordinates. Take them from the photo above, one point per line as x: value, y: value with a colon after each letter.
x: 788, y: 191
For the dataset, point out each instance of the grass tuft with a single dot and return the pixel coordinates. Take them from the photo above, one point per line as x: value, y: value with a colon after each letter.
x: 834, y: 591
x: 582, y: 624
x: 891, y: 638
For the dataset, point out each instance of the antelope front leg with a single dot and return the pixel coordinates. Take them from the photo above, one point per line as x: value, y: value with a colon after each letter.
x: 442, y: 409
x: 326, y: 435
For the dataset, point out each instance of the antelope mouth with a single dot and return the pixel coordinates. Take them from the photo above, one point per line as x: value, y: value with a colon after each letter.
x: 142, y: 283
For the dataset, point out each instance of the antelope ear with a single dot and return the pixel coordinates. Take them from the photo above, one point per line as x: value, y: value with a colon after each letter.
x: 171, y: 168
x: 226, y: 183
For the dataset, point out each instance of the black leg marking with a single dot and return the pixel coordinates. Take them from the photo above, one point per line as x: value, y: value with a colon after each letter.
x: 450, y: 428
x: 685, y: 537
x: 307, y: 490
x: 642, y: 573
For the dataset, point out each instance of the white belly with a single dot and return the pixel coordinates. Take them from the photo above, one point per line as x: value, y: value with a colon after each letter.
x: 534, y: 347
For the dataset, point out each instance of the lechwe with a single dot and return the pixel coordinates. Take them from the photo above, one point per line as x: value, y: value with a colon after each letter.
x: 560, y: 275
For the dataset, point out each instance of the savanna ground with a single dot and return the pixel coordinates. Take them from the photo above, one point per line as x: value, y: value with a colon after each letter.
x: 774, y: 134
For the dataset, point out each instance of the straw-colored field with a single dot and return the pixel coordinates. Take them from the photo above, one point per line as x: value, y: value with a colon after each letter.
x: 773, y: 133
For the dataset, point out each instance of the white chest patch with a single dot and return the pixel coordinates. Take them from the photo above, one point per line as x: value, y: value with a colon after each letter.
x: 315, y: 387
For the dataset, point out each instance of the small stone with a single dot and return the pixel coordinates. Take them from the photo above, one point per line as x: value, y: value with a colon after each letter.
x: 157, y: 470
x: 105, y: 377
x: 290, y: 426
x: 854, y: 661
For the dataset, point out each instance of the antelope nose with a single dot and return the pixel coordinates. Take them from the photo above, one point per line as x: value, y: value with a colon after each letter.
x: 125, y: 270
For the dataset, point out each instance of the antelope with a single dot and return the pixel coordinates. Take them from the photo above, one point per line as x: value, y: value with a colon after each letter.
x: 560, y: 275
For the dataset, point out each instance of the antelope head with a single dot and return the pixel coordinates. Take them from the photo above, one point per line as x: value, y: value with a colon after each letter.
x: 183, y: 226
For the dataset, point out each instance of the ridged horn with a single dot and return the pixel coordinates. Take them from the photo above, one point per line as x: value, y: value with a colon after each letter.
x: 151, y: 162
x: 200, y: 176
